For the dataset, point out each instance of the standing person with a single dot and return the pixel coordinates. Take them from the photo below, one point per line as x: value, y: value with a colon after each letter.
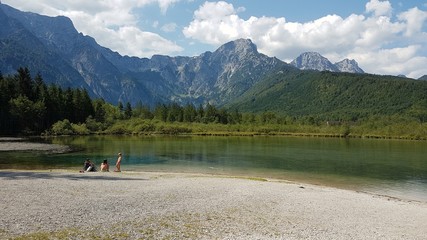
x: 119, y: 160
x: 105, y: 167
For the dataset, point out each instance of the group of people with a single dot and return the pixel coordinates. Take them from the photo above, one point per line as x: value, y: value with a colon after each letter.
x: 89, y: 166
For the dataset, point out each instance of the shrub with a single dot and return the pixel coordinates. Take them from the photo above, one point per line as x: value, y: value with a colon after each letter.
x: 173, y: 130
x: 62, y: 128
x: 80, y: 129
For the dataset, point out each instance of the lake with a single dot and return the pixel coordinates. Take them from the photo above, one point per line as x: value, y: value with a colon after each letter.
x: 396, y: 168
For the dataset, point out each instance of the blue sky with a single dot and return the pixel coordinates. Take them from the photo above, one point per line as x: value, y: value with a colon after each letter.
x: 384, y: 37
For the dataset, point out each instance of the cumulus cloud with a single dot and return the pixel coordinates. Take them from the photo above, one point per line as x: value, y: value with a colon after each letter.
x: 378, y: 41
x: 393, y: 61
x: 414, y: 19
x: 379, y: 8
x: 112, y: 23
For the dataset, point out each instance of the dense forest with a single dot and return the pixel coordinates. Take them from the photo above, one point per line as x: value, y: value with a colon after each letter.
x: 327, y: 96
x: 343, y: 105
x: 29, y: 106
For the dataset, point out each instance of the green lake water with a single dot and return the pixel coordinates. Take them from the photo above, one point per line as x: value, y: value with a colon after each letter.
x: 395, y: 168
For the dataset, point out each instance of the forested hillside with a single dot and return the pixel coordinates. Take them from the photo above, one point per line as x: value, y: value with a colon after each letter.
x: 336, y: 96
x: 29, y: 106
x: 288, y: 102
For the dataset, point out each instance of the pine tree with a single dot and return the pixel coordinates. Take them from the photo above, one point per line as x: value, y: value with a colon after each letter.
x: 128, y: 111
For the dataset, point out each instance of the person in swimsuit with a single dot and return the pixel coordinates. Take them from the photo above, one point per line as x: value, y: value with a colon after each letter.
x: 105, y: 167
x: 119, y: 160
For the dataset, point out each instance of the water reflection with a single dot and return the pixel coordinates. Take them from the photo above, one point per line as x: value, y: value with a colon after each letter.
x: 385, y: 166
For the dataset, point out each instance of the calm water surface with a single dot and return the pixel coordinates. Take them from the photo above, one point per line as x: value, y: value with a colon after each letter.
x: 389, y: 167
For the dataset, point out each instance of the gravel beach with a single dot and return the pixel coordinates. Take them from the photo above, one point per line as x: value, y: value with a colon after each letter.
x: 148, y: 205
x: 21, y: 144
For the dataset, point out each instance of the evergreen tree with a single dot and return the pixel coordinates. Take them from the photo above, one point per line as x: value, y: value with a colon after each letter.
x: 29, y: 116
x: 161, y: 112
x: 120, y: 106
x: 142, y: 111
x: 200, y: 113
x: 235, y: 117
x: 68, y: 110
x: 190, y: 113
x: 175, y: 113
x: 55, y: 104
x: 25, y: 83
x: 128, y: 111
x: 210, y: 114
x: 99, y: 110
x: 6, y: 89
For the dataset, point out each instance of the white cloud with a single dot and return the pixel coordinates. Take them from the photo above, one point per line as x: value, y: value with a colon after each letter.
x: 112, y: 23
x: 394, y: 61
x: 379, y: 8
x: 170, y: 27
x: 374, y: 40
x: 414, y: 19
x: 165, y: 4
x: 140, y: 43
x: 378, y: 38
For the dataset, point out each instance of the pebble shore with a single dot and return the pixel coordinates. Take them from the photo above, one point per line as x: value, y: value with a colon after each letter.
x: 148, y: 205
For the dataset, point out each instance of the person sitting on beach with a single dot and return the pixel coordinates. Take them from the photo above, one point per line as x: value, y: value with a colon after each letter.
x: 88, y: 166
x: 104, y: 166
x: 119, y: 160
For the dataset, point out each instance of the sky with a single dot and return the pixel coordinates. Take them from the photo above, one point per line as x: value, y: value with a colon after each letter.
x: 384, y: 37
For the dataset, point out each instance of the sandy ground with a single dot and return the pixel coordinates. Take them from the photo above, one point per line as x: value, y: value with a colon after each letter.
x: 21, y: 144
x: 146, y: 205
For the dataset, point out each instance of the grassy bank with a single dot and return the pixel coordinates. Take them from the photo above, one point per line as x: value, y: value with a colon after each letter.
x: 377, y: 128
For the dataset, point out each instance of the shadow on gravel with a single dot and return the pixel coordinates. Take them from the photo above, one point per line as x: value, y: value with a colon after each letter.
x: 4, y: 175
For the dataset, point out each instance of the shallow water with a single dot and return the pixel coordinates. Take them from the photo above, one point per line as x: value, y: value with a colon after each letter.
x: 389, y: 167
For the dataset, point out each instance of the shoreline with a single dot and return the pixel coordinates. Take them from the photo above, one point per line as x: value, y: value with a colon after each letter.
x: 22, y: 144
x: 76, y: 170
x: 9, y: 144
x: 65, y: 204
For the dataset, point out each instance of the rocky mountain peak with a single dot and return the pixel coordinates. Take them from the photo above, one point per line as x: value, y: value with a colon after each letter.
x: 313, y: 61
x: 348, y: 65
x: 240, y: 46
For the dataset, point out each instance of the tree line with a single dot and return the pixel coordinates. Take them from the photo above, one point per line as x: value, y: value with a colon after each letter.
x: 29, y: 106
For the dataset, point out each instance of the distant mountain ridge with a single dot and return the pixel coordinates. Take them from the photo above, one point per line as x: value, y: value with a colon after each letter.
x: 315, y: 61
x: 235, y: 76
x: 52, y: 46
x: 350, y: 66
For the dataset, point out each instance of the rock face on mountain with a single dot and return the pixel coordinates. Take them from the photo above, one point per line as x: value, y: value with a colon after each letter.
x: 226, y: 73
x: 315, y: 61
x: 348, y: 65
x: 53, y: 47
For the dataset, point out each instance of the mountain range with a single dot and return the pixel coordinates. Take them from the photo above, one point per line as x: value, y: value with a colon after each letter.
x: 315, y: 61
x: 54, y: 48
x: 234, y: 75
